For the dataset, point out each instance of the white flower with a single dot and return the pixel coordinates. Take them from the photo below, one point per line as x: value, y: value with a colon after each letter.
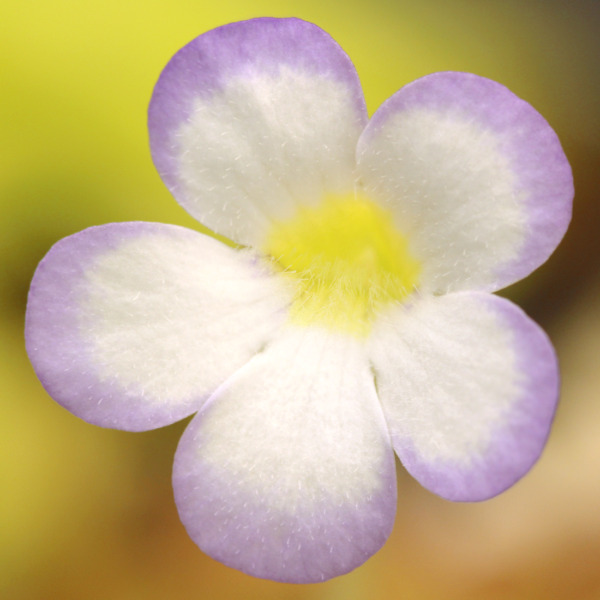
x: 353, y: 319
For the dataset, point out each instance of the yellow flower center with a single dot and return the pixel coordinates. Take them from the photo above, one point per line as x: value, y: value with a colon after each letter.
x: 347, y: 260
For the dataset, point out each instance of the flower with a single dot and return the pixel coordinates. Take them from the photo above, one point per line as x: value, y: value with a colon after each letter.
x: 353, y: 319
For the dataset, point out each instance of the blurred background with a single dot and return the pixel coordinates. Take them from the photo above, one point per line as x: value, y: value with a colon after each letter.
x: 87, y: 513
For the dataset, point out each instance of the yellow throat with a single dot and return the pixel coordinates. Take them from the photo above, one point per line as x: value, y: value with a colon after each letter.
x: 347, y: 260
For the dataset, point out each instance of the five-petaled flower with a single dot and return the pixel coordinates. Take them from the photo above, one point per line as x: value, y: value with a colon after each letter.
x: 354, y: 317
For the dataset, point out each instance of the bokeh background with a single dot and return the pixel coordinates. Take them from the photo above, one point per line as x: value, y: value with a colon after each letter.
x: 87, y: 513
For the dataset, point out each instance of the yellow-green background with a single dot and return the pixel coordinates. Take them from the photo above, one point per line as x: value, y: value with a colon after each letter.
x: 87, y: 513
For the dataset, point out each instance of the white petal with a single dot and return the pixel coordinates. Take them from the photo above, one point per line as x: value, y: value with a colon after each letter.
x: 475, y: 177
x: 288, y: 473
x: 134, y: 325
x: 253, y: 118
x: 469, y: 386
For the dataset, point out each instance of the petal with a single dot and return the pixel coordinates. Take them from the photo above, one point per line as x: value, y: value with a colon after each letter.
x: 469, y: 386
x: 252, y: 118
x: 475, y: 177
x: 288, y: 473
x: 134, y: 325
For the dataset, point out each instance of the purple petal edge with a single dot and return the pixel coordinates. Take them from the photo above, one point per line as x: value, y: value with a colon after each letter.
x: 202, y: 67
x: 309, y: 546
x: 543, y: 174
x: 515, y: 446
x: 59, y: 355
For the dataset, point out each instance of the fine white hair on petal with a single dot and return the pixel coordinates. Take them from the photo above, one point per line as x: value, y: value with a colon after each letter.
x: 261, y: 147
x: 469, y: 385
x: 288, y: 472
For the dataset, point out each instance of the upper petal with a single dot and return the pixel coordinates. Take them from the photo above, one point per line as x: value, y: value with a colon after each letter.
x: 134, y: 325
x: 469, y: 386
x: 251, y: 118
x: 475, y: 177
x: 287, y: 472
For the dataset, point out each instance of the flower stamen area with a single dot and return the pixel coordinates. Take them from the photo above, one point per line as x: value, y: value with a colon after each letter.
x: 347, y: 260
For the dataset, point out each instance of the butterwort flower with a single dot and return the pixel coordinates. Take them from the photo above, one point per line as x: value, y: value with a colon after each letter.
x: 352, y: 319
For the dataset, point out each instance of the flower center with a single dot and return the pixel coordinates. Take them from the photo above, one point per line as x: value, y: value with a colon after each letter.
x: 347, y: 260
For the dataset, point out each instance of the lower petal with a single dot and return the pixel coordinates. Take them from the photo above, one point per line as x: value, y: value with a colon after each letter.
x: 287, y: 473
x: 469, y: 386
